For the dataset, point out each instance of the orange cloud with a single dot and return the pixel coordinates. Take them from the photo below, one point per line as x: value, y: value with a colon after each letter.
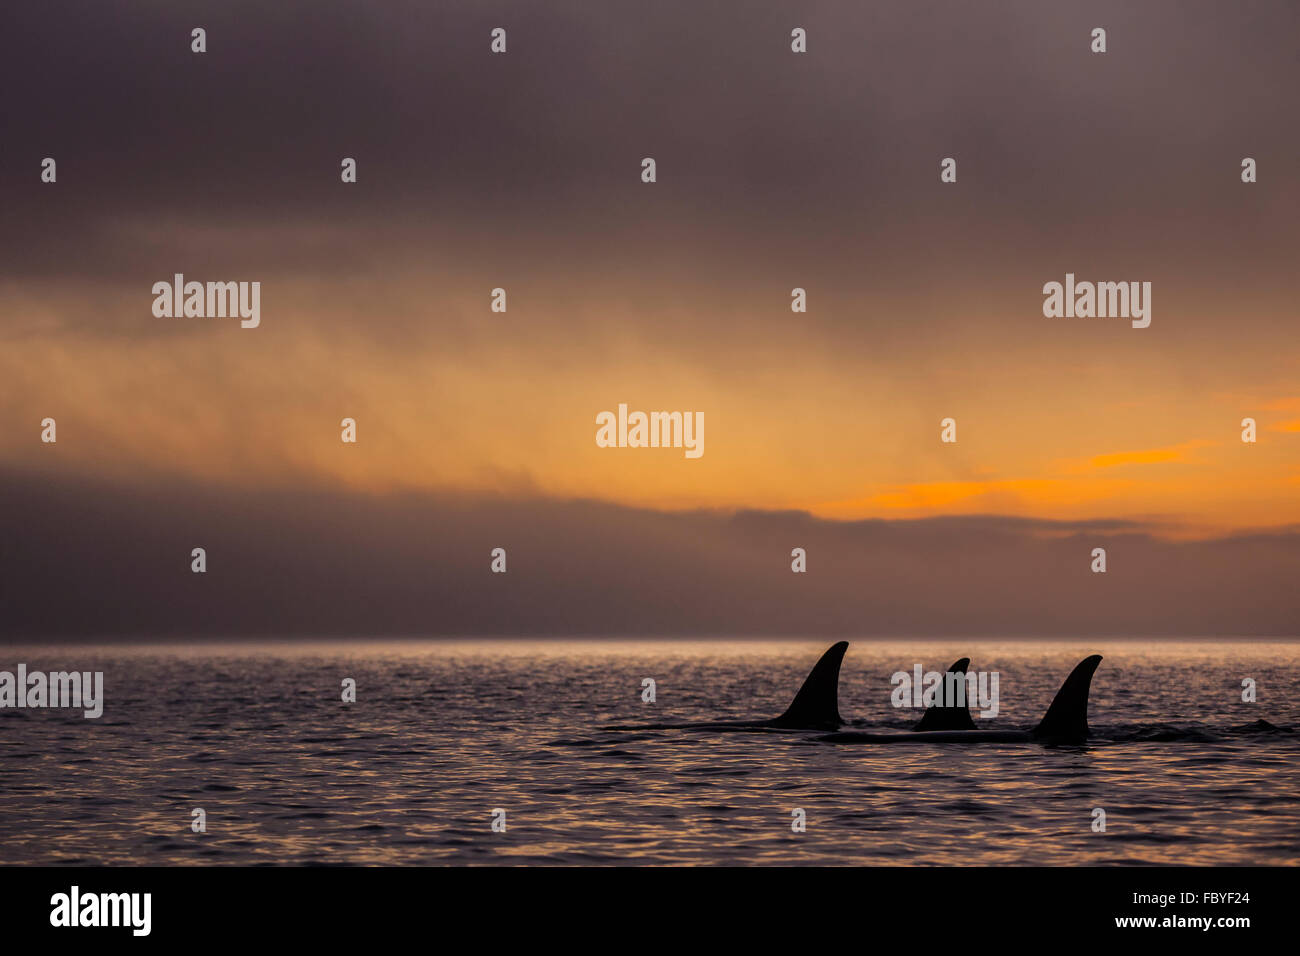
x: 1006, y: 495
x: 791, y: 424
x: 1148, y: 456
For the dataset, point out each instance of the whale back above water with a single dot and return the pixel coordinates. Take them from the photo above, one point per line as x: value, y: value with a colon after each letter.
x: 1067, y: 717
x: 1066, y: 720
x: 952, y: 717
x: 817, y: 705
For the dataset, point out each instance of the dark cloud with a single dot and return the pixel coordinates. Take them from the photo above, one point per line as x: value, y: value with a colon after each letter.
x: 823, y: 164
x: 89, y: 560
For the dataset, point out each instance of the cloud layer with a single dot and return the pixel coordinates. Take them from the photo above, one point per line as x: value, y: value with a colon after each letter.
x: 92, y: 561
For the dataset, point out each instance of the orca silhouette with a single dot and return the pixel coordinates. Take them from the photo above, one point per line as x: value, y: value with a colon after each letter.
x: 1066, y: 720
x: 815, y: 707
x: 948, y: 716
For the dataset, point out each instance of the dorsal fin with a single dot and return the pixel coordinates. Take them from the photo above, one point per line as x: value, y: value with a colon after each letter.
x: 956, y: 717
x: 817, y: 704
x: 1067, y: 719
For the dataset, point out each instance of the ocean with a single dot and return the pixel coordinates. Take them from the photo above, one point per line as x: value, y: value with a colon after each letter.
x: 447, y: 736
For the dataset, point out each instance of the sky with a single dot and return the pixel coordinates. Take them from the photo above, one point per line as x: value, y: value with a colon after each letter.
x: 775, y: 170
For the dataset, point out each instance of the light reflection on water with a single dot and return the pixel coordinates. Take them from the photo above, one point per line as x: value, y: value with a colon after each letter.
x: 444, y: 732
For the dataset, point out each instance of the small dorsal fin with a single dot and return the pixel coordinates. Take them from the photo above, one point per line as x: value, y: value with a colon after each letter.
x: 1067, y: 719
x: 817, y: 704
x: 956, y: 717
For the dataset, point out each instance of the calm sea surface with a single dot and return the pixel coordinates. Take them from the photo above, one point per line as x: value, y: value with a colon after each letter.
x: 443, y: 733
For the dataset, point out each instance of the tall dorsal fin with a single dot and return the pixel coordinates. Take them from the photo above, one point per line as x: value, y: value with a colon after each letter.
x: 817, y: 704
x: 956, y: 717
x: 1067, y: 719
